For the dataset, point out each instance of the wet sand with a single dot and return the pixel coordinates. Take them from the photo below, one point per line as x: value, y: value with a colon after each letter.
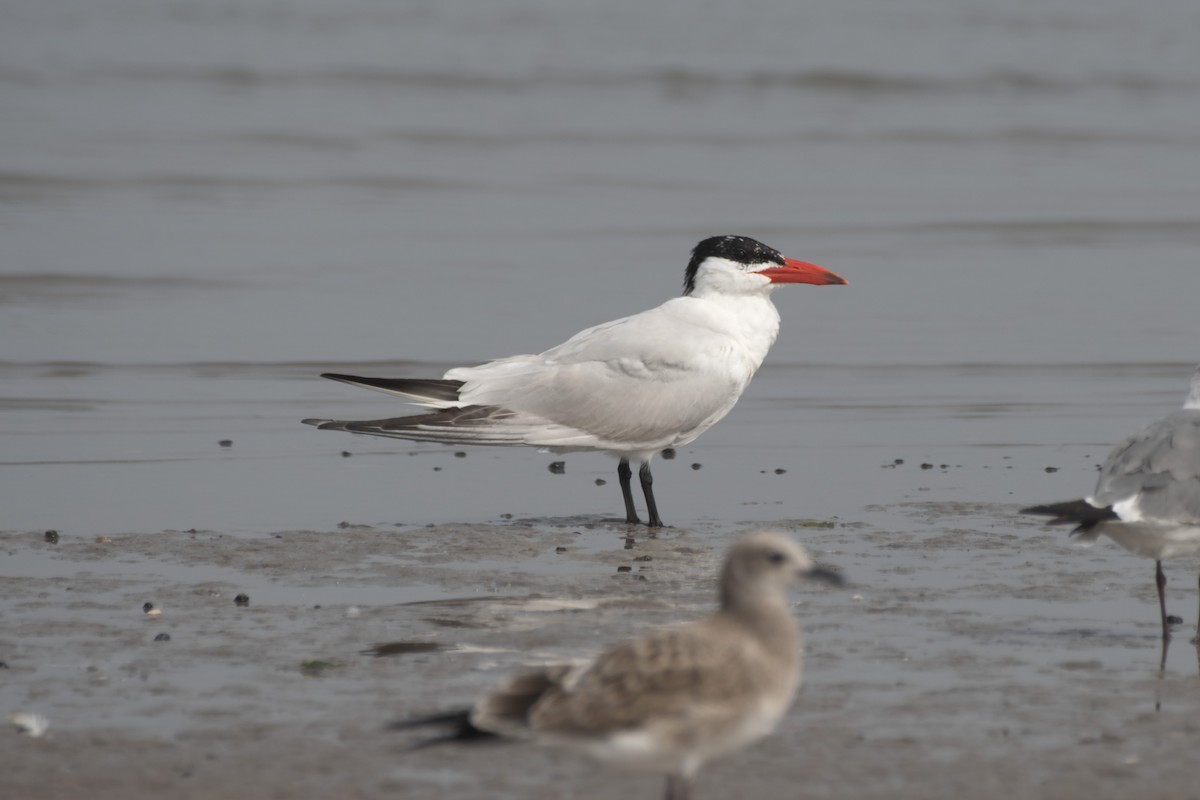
x: 930, y: 676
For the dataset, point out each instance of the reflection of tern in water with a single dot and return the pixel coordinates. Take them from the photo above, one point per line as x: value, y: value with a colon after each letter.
x: 631, y: 387
x: 1148, y: 497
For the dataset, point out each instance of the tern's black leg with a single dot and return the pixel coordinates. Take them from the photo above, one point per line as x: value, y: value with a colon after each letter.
x: 678, y: 788
x: 625, y: 474
x: 1160, y: 580
x: 648, y: 489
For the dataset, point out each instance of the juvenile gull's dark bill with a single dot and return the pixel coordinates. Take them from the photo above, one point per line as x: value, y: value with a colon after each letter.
x: 675, y: 698
x: 1148, y: 497
x: 631, y: 387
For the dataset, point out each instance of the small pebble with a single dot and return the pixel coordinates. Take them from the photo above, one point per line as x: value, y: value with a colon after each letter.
x: 560, y: 549
x: 52, y: 537
x: 1174, y: 620
x: 346, y: 454
x: 147, y: 607
x: 624, y: 568
x: 241, y: 600
x: 601, y: 482
x: 669, y: 453
x: 226, y: 443
x: 696, y: 465
x: 780, y: 471
x: 163, y: 637
x: 460, y: 454
x: 927, y: 466
x: 437, y: 469
x: 558, y: 467
x: 898, y: 461
x: 1051, y: 469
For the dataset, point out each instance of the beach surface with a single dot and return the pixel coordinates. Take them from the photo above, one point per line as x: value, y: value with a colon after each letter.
x: 973, y: 654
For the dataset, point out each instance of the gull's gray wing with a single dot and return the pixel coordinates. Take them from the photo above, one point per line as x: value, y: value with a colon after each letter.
x: 1156, y: 471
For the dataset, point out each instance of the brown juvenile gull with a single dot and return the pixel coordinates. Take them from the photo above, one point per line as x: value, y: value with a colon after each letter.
x: 632, y: 387
x: 1148, y: 497
x: 674, y: 698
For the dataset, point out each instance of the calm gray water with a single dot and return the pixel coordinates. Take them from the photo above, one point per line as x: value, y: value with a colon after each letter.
x: 205, y: 204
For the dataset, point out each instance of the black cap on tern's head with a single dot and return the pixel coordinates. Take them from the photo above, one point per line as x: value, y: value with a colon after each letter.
x: 756, y: 257
x: 740, y: 249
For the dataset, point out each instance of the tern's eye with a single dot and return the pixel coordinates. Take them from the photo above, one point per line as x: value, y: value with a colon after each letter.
x: 776, y: 557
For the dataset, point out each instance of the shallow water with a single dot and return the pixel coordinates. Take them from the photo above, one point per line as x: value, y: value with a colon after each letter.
x: 204, y: 205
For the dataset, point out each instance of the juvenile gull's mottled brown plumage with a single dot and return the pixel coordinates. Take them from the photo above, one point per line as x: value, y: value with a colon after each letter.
x: 676, y: 697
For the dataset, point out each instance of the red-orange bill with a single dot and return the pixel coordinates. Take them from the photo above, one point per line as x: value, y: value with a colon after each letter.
x: 794, y: 271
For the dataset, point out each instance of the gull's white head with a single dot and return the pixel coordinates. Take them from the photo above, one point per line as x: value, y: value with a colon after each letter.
x: 1193, y: 398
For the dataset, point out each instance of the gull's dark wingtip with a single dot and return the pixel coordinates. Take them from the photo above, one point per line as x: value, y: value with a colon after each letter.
x: 1079, y: 512
x: 828, y: 575
x: 460, y: 717
x: 458, y: 722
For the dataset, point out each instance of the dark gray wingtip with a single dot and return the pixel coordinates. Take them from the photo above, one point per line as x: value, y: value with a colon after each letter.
x: 439, y: 390
x: 458, y: 718
x: 1079, y: 512
x: 828, y: 575
x: 458, y: 722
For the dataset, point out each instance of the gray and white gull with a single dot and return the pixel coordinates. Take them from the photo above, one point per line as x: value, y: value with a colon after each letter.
x: 1148, y: 497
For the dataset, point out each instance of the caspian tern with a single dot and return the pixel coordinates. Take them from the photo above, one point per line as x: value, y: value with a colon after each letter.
x: 676, y: 697
x: 1148, y: 497
x: 631, y: 387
